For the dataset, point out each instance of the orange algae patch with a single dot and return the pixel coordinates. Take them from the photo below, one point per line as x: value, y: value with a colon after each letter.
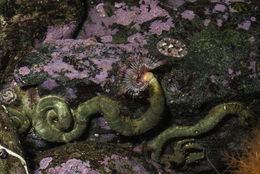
x: 248, y: 162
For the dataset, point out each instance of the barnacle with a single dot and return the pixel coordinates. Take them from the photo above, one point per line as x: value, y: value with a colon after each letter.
x: 7, y: 96
x: 172, y: 47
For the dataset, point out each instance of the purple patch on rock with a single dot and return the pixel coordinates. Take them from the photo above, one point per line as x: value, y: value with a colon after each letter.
x: 49, y: 84
x: 45, y: 162
x: 206, y: 22
x: 245, y: 25
x: 225, y: 17
x: 219, y: 8
x: 137, y: 39
x: 224, y: 82
x: 157, y: 27
x: 124, y: 17
x: 213, y: 79
x: 251, y: 39
x: 24, y: 70
x: 253, y: 19
x: 70, y: 93
x: 99, y: 78
x: 174, y: 89
x: 176, y: 3
x: 188, y: 14
x: 64, y: 31
x: 73, y: 166
x: 106, y: 39
x: 252, y: 67
x: 219, y: 22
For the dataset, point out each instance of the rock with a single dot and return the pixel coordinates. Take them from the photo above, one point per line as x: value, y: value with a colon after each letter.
x: 92, y: 157
x: 23, y: 23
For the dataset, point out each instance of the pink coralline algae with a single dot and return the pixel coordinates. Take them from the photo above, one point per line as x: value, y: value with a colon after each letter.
x: 157, y: 27
x: 245, y: 25
x: 251, y: 39
x: 73, y: 166
x: 213, y: 79
x: 96, y: 30
x: 70, y: 94
x: 252, y: 67
x: 106, y: 39
x: 137, y: 39
x: 54, y: 70
x: 175, y: 4
x: 71, y: 62
x: 149, y: 10
x: 114, y: 162
x: 233, y: 74
x: 99, y: 28
x: 24, y: 70
x: 49, y: 84
x: 123, y: 164
x: 219, y: 22
x: 75, y: 65
x: 44, y: 163
x: 225, y: 17
x: 224, y: 82
x: 252, y: 54
x: 125, y: 15
x: 231, y: 1
x: 206, y: 22
x: 174, y: 89
x: 99, y: 78
x: 253, y: 19
x: 188, y: 14
x: 105, y: 64
x: 103, y: 124
x: 219, y: 8
x: 231, y: 10
x: 60, y: 32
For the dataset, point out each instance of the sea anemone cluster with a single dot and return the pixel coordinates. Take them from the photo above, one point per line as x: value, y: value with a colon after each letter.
x: 135, y: 80
x: 7, y: 96
x: 172, y: 47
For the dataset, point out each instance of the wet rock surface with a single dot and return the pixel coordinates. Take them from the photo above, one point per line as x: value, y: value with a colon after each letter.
x: 80, y: 60
x: 93, y: 158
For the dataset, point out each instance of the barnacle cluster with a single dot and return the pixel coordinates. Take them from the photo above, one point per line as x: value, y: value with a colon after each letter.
x: 172, y: 47
x: 134, y: 81
x: 7, y: 96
